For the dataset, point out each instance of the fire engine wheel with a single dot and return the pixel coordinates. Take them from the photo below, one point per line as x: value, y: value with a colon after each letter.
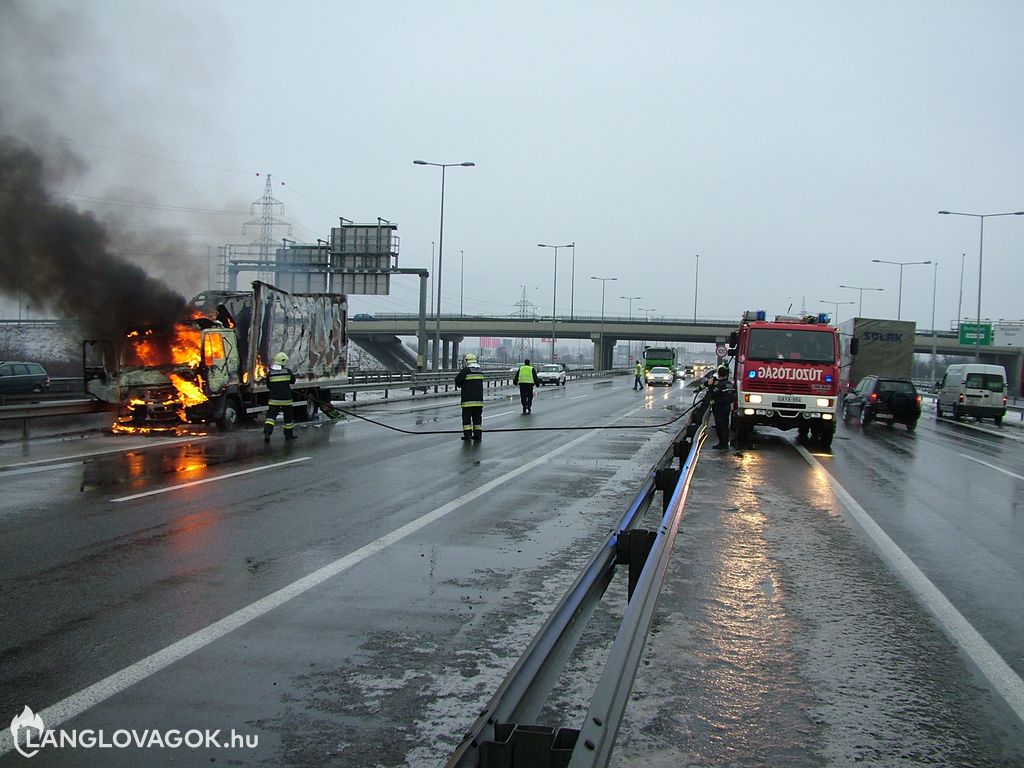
x: 826, y: 438
x: 231, y: 416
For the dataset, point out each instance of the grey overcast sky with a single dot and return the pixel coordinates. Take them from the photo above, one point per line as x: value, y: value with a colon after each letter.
x: 788, y: 143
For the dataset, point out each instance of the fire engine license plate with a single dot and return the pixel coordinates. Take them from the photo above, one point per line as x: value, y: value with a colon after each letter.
x: 884, y: 416
x: 787, y: 398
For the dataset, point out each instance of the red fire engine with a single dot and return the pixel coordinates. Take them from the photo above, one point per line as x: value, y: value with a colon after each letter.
x: 786, y: 375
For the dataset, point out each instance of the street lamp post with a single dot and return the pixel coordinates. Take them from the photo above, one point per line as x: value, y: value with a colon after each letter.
x: 647, y: 318
x: 901, y: 265
x: 440, y: 253
x: 572, y: 281
x: 935, y: 283
x: 981, y: 253
x: 630, y: 299
x: 554, y: 291
x: 860, y: 301
x: 696, y: 274
x: 604, y: 281
x: 462, y: 281
x: 835, y: 315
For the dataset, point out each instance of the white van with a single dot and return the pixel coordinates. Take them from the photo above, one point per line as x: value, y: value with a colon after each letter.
x: 973, y: 389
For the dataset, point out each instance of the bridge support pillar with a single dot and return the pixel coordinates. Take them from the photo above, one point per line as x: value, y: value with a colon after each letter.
x: 603, y: 352
x: 456, y: 358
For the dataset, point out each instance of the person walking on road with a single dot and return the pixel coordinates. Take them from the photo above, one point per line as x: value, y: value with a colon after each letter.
x: 280, y: 398
x: 722, y: 393
x: 638, y: 372
x: 526, y: 378
x: 471, y: 381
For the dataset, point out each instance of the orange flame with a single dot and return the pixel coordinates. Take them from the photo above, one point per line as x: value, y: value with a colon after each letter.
x: 179, y: 349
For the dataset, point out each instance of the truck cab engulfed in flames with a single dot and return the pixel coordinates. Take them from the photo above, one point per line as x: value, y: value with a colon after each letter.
x: 211, y: 367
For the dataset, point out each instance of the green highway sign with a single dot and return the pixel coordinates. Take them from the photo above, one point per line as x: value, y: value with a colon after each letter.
x: 969, y: 334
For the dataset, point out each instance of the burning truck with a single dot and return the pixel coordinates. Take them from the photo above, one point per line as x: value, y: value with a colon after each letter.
x: 212, y: 366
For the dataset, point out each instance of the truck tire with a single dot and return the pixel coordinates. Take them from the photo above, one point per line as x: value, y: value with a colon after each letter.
x: 306, y: 405
x: 827, y: 433
x: 998, y: 420
x: 232, y: 414
x: 938, y: 408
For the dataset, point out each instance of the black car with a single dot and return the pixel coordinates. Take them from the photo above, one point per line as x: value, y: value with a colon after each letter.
x: 877, y: 398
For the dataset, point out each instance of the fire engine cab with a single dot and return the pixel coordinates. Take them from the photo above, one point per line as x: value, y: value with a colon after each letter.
x: 786, y: 375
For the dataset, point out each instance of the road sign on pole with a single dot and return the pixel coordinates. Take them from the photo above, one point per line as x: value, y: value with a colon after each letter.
x: 969, y: 334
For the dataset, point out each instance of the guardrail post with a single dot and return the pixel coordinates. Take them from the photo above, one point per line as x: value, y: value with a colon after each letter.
x: 665, y: 480
x: 24, y: 428
x: 632, y: 548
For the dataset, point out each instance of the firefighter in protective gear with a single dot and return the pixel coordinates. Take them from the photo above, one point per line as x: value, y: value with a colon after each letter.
x: 526, y: 378
x: 280, y: 398
x: 722, y: 393
x: 638, y: 372
x: 471, y: 381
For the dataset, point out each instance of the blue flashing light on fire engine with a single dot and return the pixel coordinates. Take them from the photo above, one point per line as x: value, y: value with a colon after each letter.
x: 752, y: 374
x: 828, y: 378
x: 823, y: 317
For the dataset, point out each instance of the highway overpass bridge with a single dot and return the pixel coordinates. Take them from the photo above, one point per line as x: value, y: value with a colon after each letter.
x: 384, y: 328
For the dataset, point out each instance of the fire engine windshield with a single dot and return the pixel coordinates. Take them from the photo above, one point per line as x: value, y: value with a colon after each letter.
x: 805, y: 346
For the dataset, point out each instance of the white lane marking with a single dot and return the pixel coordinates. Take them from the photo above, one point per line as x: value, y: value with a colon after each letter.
x: 578, y: 397
x: 211, y: 479
x: 498, y: 415
x: 111, y: 685
x: 990, y: 466
x: 45, y: 468
x: 119, y: 449
x: 1006, y: 682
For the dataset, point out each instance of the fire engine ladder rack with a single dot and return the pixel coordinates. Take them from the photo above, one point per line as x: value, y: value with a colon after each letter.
x: 502, y: 736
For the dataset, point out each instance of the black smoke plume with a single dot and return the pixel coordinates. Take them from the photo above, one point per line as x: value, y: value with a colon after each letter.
x: 59, y: 257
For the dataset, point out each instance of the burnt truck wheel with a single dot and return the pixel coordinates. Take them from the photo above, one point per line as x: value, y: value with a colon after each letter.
x: 306, y: 405
x: 232, y: 414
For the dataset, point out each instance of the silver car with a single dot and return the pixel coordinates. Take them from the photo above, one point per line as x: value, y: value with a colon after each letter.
x: 552, y: 373
x: 660, y: 375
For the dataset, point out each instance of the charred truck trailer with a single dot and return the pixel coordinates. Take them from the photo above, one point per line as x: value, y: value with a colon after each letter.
x: 786, y: 375
x: 883, y: 348
x: 213, y: 367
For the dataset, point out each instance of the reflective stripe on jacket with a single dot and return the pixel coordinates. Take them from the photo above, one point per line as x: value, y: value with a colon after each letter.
x: 471, y: 381
x: 279, y: 381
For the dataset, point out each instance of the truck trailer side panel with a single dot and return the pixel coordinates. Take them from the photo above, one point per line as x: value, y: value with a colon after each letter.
x: 885, y: 348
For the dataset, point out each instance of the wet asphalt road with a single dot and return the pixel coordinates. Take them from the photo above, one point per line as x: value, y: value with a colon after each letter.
x: 388, y: 581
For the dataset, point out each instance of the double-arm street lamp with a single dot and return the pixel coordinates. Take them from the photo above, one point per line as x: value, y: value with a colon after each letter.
x: 554, y: 289
x: 440, y: 253
x: 981, y: 252
x: 901, y: 265
x: 600, y: 346
x: 860, y: 301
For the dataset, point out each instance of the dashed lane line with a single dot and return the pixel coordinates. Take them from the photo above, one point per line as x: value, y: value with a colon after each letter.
x: 991, y: 466
x: 205, y: 480
x: 999, y: 674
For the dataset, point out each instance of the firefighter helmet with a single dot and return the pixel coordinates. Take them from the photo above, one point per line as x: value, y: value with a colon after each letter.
x: 280, y: 358
x: 470, y: 358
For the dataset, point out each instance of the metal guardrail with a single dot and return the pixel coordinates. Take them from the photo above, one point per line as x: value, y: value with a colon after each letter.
x: 502, y: 736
